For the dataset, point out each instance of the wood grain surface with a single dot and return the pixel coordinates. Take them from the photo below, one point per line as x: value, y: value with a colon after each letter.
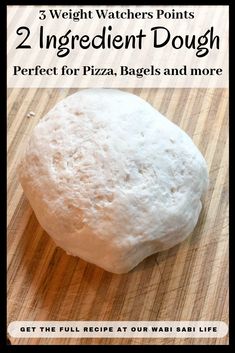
x: 187, y: 282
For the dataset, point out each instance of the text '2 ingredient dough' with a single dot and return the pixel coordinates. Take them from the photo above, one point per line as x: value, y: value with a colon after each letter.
x: 112, y: 180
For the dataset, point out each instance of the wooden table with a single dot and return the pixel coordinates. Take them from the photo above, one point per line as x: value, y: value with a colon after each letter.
x: 187, y: 282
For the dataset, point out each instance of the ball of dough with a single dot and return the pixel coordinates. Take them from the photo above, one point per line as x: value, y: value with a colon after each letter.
x: 111, y: 179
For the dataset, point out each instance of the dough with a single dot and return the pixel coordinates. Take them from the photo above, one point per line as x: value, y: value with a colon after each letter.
x: 112, y: 180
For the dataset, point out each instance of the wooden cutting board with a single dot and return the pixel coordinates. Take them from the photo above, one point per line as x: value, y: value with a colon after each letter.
x: 187, y: 282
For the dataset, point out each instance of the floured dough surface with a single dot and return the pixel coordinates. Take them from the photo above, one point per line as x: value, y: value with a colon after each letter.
x: 112, y: 180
